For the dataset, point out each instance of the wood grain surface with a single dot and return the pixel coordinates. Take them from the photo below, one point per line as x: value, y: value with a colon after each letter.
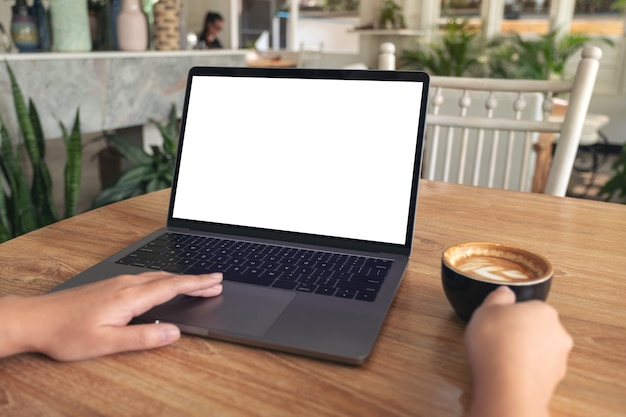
x: 418, y: 367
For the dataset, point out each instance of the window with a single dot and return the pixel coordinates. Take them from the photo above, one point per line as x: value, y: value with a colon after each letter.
x: 598, y: 17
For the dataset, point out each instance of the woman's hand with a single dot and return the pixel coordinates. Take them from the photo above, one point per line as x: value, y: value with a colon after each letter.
x: 518, y: 354
x: 92, y: 320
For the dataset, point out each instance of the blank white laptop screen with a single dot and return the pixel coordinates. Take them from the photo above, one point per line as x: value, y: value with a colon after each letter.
x: 320, y: 156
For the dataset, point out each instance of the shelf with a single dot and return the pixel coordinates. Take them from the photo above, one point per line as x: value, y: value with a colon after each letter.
x: 388, y: 32
x: 88, y: 55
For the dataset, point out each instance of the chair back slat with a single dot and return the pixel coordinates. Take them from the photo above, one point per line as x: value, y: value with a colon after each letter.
x: 463, y: 155
x: 448, y: 160
x: 493, y: 160
x: 506, y: 180
x: 527, y: 156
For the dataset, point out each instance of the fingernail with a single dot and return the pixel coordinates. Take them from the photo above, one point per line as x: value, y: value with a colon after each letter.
x: 169, y: 333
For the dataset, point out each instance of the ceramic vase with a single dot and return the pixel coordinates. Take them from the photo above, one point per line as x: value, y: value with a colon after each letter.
x: 24, y: 28
x: 132, y: 27
x: 70, y: 25
x: 115, y: 6
x: 42, y: 17
x: 166, y: 29
x: 100, y: 25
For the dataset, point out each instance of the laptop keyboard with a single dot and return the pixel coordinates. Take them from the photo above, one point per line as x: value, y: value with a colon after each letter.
x: 311, y: 271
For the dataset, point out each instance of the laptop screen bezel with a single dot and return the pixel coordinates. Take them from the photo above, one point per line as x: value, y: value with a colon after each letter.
x: 296, y: 237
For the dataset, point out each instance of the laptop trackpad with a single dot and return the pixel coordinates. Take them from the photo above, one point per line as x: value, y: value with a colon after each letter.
x: 241, y: 309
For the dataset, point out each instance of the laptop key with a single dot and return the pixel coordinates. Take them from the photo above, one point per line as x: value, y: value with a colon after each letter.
x: 288, y: 268
x: 365, y: 296
x: 356, y: 285
x: 361, y: 270
x: 218, y: 267
x: 290, y: 276
x: 142, y: 263
x: 247, y: 279
x: 162, y: 240
x: 307, y: 278
x: 149, y: 256
x: 345, y: 293
x: 255, y: 256
x: 382, y: 273
x: 357, y: 261
x: 326, y: 282
x: 158, y: 265
x: 273, y: 274
x: 374, y: 281
x: 187, y: 261
x: 287, y: 285
x: 326, y: 290
x: 271, y: 266
x: 306, y: 287
x: 174, y: 268
x: 379, y: 263
x: 343, y: 276
x: 126, y: 260
x: 305, y: 270
x: 152, y: 249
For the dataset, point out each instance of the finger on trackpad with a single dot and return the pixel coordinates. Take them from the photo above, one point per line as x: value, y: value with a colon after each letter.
x: 241, y: 309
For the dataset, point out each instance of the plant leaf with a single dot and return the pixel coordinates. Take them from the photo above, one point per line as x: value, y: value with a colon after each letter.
x: 134, y: 154
x: 36, y: 123
x: 73, y: 166
x: 117, y: 193
x: 169, y: 131
x: 42, y: 184
x: 136, y: 175
x: 21, y: 211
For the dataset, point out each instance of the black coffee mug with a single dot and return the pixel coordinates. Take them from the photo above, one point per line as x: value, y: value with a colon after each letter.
x: 470, y: 271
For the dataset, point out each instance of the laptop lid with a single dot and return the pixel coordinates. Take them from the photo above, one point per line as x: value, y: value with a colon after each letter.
x: 325, y: 157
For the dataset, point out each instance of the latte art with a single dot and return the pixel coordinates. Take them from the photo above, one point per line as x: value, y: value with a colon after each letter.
x: 496, y: 269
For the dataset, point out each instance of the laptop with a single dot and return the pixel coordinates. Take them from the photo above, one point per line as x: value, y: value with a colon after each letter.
x: 300, y: 186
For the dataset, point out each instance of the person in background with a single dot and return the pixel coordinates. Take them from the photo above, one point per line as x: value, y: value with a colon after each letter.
x: 517, y: 351
x: 207, y: 38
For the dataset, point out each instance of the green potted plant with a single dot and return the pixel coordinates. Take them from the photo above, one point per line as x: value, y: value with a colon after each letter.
x: 616, y: 185
x: 341, y: 5
x: 541, y: 58
x: 458, y: 52
x: 619, y: 5
x: 391, y: 16
x: 25, y: 207
x: 148, y: 172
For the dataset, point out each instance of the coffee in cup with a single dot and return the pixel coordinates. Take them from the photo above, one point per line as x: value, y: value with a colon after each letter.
x: 470, y: 271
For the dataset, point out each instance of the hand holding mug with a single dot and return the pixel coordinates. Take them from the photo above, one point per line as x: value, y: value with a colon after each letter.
x: 470, y: 271
x: 518, y: 354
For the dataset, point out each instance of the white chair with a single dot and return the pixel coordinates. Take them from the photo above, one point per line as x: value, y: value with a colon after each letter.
x: 478, y: 142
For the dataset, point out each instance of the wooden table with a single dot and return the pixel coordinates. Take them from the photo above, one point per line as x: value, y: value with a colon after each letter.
x: 418, y: 367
